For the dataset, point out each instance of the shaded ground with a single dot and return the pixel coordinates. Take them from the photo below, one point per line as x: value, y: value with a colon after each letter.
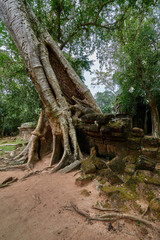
x: 39, y: 208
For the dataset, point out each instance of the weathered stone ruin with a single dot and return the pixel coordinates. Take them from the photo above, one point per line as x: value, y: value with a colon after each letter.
x: 25, y: 130
x: 124, y: 160
x: 112, y: 136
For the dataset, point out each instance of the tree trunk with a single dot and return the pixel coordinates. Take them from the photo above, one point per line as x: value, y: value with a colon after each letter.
x: 3, y: 124
x: 60, y: 89
x: 154, y: 117
x: 146, y: 121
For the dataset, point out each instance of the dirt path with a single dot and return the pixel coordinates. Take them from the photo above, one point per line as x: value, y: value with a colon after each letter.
x: 35, y: 209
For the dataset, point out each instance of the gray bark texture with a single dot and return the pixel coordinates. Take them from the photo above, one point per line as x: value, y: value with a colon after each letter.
x: 58, y: 86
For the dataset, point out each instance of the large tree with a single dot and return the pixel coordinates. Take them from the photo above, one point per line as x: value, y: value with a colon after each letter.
x: 61, y: 91
x: 58, y: 86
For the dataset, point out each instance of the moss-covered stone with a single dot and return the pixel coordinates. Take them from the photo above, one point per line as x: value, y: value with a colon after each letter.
x: 125, y: 177
x: 99, y: 164
x: 150, y: 152
x: 134, y: 143
x: 84, y: 179
x: 117, y: 165
x: 144, y: 173
x: 145, y: 163
x: 117, y: 195
x: 93, y: 163
x: 104, y: 118
x: 132, y: 183
x: 112, y: 177
x: 137, y: 132
x: 130, y: 159
x: 87, y: 166
x: 89, y: 127
x: 130, y: 169
x: 137, y: 185
x: 85, y: 193
x: 117, y: 125
x: 154, y: 207
x: 99, y: 118
x: 89, y: 118
x: 149, y: 177
x: 103, y: 181
x: 102, y: 172
x: 147, y: 194
x: 149, y: 141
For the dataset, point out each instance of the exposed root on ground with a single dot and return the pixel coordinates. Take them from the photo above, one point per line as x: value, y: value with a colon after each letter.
x: 11, y: 144
x: 14, y: 167
x: 80, y: 171
x: 22, y: 157
x: 105, y: 209
x: 8, y: 181
x: 30, y: 175
x: 70, y: 167
x: 79, y: 211
x: 60, y: 164
x: 115, y: 216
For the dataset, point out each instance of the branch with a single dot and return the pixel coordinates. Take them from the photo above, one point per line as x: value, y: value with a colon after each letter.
x: 70, y: 36
x: 111, y: 26
x: 59, y: 22
x: 101, y: 8
x: 105, y: 209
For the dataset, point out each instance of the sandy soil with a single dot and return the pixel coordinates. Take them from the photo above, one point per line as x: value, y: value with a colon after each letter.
x: 39, y: 209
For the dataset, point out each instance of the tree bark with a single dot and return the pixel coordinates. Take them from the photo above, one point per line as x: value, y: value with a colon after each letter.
x: 3, y: 124
x: 154, y: 117
x: 58, y: 86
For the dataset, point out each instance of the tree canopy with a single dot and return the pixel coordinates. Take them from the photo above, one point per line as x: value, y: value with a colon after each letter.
x: 132, y: 62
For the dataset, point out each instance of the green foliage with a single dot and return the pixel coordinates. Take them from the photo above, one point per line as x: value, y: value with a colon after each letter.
x: 19, y: 101
x: 79, y: 64
x: 105, y: 101
x: 139, y: 69
x: 80, y: 27
x: 9, y: 148
x: 131, y: 59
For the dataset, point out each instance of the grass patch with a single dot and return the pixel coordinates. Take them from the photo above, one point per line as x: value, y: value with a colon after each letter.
x: 11, y: 141
x: 4, y: 141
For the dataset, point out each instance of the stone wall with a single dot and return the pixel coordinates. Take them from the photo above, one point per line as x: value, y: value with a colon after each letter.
x: 112, y: 136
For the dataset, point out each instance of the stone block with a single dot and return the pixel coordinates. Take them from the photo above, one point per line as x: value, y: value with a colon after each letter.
x: 137, y: 132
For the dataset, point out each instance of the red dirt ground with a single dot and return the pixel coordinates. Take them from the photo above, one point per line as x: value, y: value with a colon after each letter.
x: 39, y: 209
